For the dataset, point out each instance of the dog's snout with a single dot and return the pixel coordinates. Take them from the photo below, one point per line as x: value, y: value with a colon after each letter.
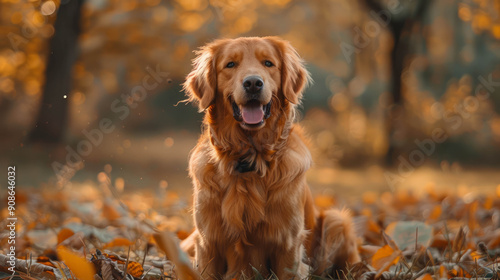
x: 253, y: 84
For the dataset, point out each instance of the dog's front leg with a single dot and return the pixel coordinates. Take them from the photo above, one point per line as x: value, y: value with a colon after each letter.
x: 210, y: 242
x: 209, y: 261
x: 288, y: 263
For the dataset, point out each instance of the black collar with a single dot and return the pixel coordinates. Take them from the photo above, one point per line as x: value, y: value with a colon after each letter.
x: 243, y: 166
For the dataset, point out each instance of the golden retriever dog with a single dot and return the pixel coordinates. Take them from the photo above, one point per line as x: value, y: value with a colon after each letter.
x: 253, y: 209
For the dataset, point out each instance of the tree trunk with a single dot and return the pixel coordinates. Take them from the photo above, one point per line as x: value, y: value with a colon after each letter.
x: 394, y: 114
x: 53, y: 113
x: 400, y: 30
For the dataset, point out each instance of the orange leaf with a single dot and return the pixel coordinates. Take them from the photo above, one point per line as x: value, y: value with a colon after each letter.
x: 82, y: 268
x: 439, y: 241
x: 118, y: 242
x: 459, y: 272
x: 64, y: 234
x: 114, y: 258
x: 476, y: 255
x: 44, y: 260
x: 109, y: 212
x: 385, y: 257
x: 443, y: 272
x: 169, y: 244
x: 373, y: 227
x: 436, y: 213
x: 135, y: 269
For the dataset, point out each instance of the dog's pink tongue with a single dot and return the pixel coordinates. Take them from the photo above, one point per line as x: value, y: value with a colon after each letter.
x: 252, y: 114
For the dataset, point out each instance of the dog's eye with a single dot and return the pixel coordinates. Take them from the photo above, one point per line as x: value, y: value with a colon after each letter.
x: 230, y: 65
x: 268, y: 63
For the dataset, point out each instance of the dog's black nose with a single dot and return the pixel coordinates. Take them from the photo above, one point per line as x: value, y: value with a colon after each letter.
x: 253, y: 84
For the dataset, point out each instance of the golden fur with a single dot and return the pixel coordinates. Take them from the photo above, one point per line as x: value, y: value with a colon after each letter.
x: 264, y: 218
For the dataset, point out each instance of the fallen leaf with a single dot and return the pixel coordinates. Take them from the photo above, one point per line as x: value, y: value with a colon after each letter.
x: 45, y: 238
x: 64, y: 234
x: 44, y: 260
x: 404, y: 233
x: 439, y: 241
x: 109, y: 212
x: 385, y: 257
x: 118, y: 242
x: 82, y: 268
x: 373, y: 227
x: 170, y: 246
x: 135, y: 269
x: 436, y: 213
x: 443, y: 272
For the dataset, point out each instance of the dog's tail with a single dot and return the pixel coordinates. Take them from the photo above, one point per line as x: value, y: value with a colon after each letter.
x: 337, y: 242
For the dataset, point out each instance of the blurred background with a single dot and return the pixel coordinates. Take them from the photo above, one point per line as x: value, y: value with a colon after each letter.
x: 406, y: 94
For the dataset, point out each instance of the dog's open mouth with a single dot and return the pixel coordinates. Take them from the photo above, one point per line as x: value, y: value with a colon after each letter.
x: 252, y: 113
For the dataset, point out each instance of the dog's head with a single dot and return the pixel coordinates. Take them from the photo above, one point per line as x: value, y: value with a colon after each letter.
x: 247, y: 75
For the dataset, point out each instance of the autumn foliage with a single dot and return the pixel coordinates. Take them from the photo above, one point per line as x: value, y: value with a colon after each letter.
x: 90, y: 231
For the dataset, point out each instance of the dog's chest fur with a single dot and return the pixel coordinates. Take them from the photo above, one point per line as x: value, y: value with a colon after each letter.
x: 253, y: 211
x: 243, y: 203
x: 250, y: 207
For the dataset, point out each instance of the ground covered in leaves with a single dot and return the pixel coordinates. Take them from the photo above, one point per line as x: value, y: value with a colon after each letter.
x: 98, y: 231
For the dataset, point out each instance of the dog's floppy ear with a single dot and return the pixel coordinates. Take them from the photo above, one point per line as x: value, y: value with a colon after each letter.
x: 201, y: 83
x: 294, y: 75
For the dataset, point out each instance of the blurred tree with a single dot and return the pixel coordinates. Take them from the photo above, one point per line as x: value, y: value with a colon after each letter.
x: 436, y: 55
x: 401, y: 29
x: 53, y: 114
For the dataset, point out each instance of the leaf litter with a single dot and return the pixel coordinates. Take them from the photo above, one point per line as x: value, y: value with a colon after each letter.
x: 95, y: 231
